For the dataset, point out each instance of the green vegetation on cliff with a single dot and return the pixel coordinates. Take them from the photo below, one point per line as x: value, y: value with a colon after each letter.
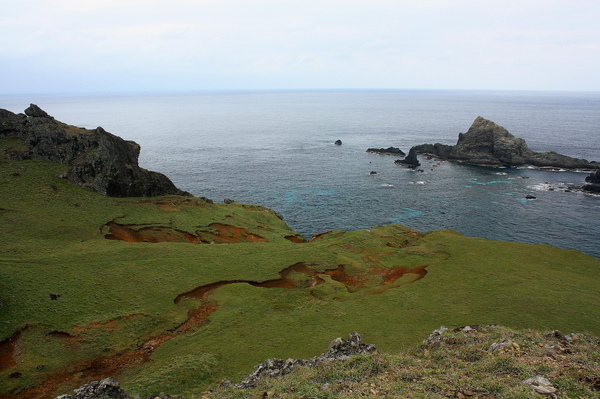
x: 82, y: 300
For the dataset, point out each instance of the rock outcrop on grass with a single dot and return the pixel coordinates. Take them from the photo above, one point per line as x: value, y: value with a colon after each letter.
x: 97, y: 159
x: 479, y: 362
x: 489, y: 144
x: 339, y: 349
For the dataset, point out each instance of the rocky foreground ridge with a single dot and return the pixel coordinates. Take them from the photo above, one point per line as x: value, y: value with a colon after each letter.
x: 483, y: 362
x: 97, y: 159
x: 489, y: 144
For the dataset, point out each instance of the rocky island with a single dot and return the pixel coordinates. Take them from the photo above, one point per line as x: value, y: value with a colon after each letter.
x: 387, y: 151
x: 489, y: 144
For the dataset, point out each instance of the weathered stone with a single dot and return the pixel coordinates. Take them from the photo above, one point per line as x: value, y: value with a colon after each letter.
x: 107, y: 388
x: 502, y: 346
x: 339, y: 349
x: 36, y: 112
x: 435, y: 338
x: 541, y: 385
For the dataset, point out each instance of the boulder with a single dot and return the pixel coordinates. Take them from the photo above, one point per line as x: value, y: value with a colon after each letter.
x: 489, y: 144
x: 97, y: 159
x: 36, y: 112
x: 338, y: 142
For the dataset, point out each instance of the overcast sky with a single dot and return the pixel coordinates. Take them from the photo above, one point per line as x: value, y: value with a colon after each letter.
x: 87, y: 46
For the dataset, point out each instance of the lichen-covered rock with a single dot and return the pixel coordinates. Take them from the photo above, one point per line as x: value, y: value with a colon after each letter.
x: 107, y: 388
x: 339, y: 349
x: 99, y: 160
x: 541, y: 385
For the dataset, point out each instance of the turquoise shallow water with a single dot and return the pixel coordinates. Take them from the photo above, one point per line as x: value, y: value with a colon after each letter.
x: 276, y: 149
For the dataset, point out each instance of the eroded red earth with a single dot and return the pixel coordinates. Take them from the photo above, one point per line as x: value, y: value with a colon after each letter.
x: 215, y: 233
x: 298, y: 275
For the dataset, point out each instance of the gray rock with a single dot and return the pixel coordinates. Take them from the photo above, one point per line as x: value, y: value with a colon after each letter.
x: 338, y: 350
x: 410, y: 160
x: 97, y: 159
x: 36, y: 112
x: 541, y: 385
x: 436, y: 338
x: 107, y: 388
x: 499, y: 346
x: 486, y: 143
x: 387, y: 151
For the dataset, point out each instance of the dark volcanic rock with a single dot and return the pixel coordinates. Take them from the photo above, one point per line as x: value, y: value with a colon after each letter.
x: 387, y: 151
x: 338, y: 142
x: 594, y: 180
x: 97, y: 159
x: 410, y: 160
x: 486, y: 143
x: 36, y: 112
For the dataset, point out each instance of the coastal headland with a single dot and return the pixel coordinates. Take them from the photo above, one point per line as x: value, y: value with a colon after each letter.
x: 108, y: 270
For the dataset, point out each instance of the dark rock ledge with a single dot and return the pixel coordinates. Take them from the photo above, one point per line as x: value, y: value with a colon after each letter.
x: 97, y: 159
x: 387, y: 151
x: 489, y: 144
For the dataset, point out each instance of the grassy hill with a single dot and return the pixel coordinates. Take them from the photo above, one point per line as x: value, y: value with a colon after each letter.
x: 173, y: 294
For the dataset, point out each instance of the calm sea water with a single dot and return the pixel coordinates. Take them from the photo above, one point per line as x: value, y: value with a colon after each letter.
x: 276, y: 149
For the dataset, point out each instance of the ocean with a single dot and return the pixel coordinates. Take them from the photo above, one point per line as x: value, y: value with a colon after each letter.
x: 275, y: 148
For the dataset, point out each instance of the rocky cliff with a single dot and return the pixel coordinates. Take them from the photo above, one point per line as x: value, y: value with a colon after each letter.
x: 486, y: 143
x: 97, y: 159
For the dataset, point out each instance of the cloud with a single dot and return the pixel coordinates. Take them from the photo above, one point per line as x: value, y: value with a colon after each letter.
x: 353, y: 43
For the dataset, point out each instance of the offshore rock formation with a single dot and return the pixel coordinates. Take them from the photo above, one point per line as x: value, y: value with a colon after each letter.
x: 410, y: 161
x: 594, y: 182
x: 97, y: 159
x: 387, y: 151
x: 489, y: 144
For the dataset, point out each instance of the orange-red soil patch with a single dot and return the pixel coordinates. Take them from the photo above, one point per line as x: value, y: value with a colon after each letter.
x: 353, y: 280
x: 218, y: 233
x: 9, y: 350
x: 391, y: 275
x: 321, y: 235
x: 295, y: 239
x: 113, y: 364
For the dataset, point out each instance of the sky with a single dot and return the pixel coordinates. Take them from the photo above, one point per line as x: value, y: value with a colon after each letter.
x: 117, y: 46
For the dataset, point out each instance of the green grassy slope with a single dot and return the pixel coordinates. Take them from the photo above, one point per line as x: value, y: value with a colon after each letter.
x: 116, y: 311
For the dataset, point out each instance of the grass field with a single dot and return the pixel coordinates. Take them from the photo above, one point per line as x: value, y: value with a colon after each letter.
x: 78, y: 306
